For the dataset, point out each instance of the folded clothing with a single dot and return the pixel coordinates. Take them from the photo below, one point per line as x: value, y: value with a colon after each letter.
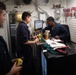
x: 51, y: 49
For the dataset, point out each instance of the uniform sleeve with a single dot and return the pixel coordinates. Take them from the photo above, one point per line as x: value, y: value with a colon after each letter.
x: 46, y: 28
x: 43, y: 30
x: 5, y: 63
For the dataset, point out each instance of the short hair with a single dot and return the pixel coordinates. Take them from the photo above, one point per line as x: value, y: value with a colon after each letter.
x: 50, y: 19
x: 2, y: 6
x: 25, y: 14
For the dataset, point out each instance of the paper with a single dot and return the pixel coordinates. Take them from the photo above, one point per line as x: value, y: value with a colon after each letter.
x: 42, y: 16
x: 55, y: 44
x: 56, y: 40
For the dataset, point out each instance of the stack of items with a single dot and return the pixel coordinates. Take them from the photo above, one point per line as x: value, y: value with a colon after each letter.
x: 54, y: 46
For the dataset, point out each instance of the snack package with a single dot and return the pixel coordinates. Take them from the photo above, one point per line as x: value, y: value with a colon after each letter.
x: 19, y: 61
x: 39, y: 36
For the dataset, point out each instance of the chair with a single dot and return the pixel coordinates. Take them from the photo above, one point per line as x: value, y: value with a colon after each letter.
x: 68, y: 39
x: 68, y: 42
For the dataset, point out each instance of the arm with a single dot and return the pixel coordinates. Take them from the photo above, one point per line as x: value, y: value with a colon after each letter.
x: 15, y: 69
x: 43, y: 30
x: 31, y: 42
x: 64, y: 33
x: 5, y: 62
x: 25, y: 38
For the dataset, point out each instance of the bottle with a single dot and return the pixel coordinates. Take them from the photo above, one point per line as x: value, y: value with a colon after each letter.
x: 47, y: 34
x: 19, y: 61
x: 39, y: 36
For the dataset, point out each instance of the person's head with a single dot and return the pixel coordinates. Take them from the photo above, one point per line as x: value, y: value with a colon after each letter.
x: 50, y: 21
x: 26, y: 16
x: 2, y: 13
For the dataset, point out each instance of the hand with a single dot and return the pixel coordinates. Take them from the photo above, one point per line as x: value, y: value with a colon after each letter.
x: 14, y: 60
x: 57, y: 37
x: 37, y: 31
x: 34, y: 37
x: 36, y: 40
x: 14, y: 70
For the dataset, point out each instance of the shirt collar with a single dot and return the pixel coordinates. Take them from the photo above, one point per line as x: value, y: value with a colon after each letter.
x: 24, y: 23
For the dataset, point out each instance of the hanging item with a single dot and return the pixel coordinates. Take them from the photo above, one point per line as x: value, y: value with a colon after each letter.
x: 56, y: 6
x: 73, y: 9
x: 70, y: 14
x: 66, y: 12
x: 42, y: 16
x: 57, y: 14
x: 27, y: 1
